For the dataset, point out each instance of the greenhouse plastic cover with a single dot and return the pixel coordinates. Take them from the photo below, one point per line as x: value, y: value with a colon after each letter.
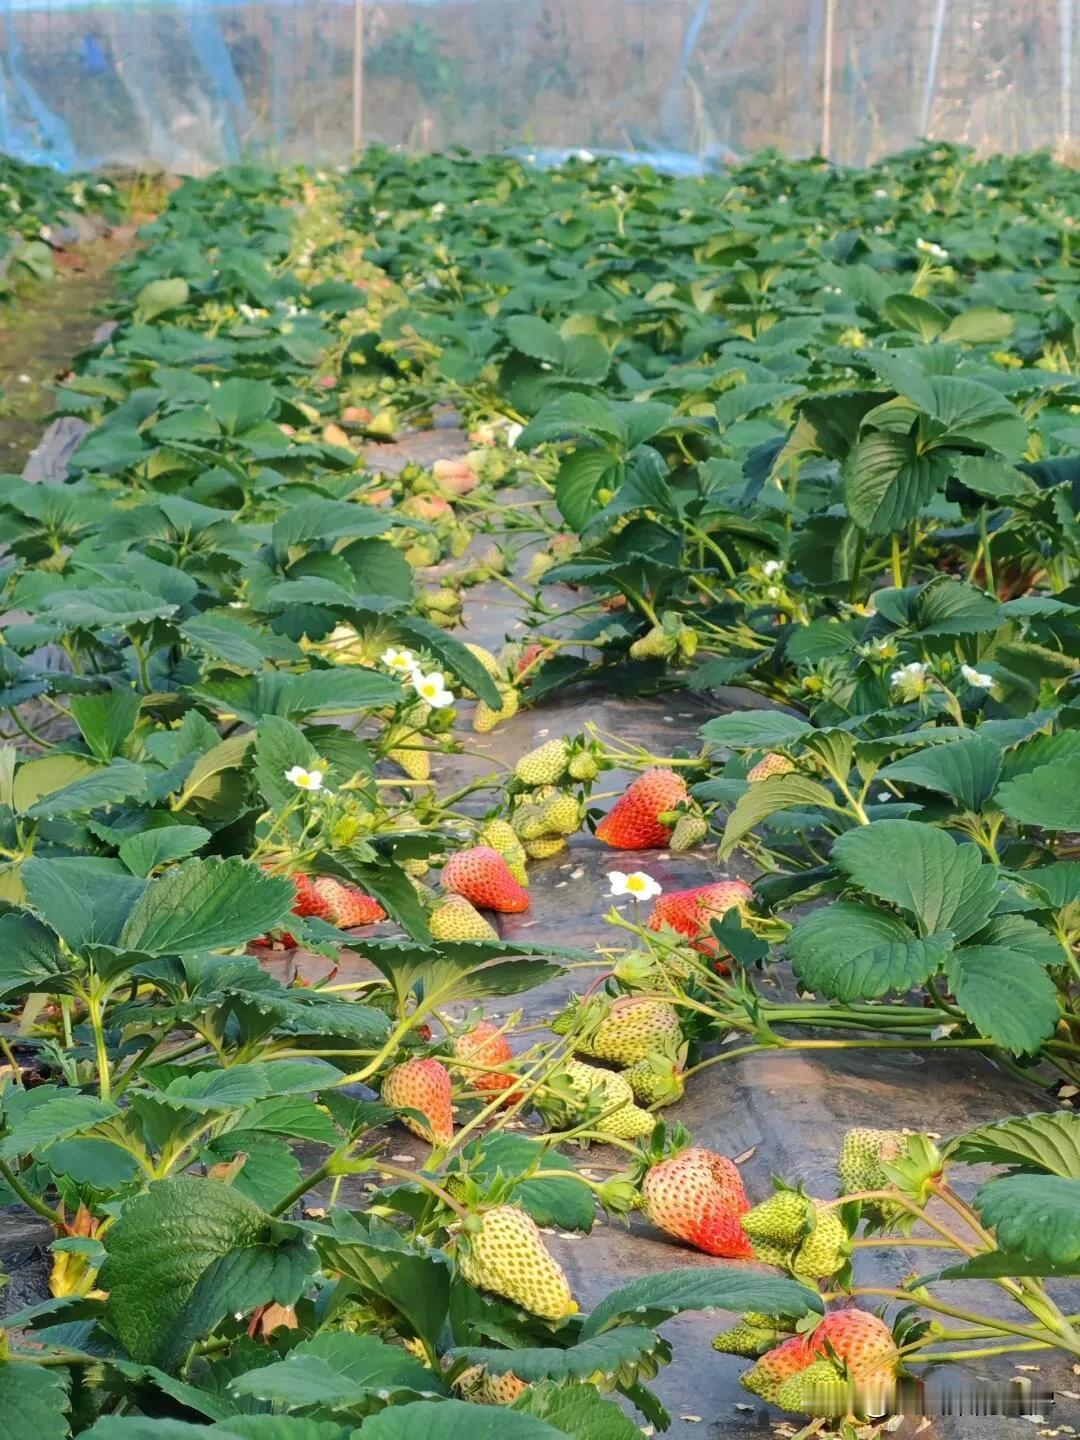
x: 683, y: 84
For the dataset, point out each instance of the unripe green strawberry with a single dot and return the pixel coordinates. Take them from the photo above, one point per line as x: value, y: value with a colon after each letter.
x: 656, y: 1080
x: 528, y: 821
x: 505, y: 1254
x: 561, y: 815
x: 863, y: 1150
x: 486, y: 658
x: 539, y: 565
x: 543, y: 766
x: 633, y: 1028
x: 480, y: 1387
x: 545, y: 847
x: 769, y: 1253
x: 769, y: 766
x: 500, y: 835
x: 416, y: 868
x: 783, y: 1220
x: 485, y: 718
x: 782, y: 1324
x: 746, y: 1339
x: 825, y: 1249
x: 656, y: 644
x: 629, y: 1122
x: 456, y: 919
x: 415, y: 763
x: 819, y: 1390
x: 611, y: 1092
x: 583, y: 766
x: 690, y: 830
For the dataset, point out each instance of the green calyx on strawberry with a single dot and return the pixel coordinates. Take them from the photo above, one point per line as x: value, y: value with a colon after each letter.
x: 656, y: 1081
x: 579, y: 1092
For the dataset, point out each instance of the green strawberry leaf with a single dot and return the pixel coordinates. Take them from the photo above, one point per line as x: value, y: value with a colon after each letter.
x: 651, y: 1299
x: 340, y: 1370
x: 1037, y: 1216
x: 850, y: 952
x: 1046, y: 1144
x: 34, y: 1402
x: 943, y: 884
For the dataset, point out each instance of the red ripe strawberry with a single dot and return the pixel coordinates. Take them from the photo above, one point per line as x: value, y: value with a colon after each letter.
x: 690, y: 911
x: 485, y: 1044
x: 309, y: 901
x: 345, y: 905
x: 483, y: 877
x: 422, y: 1085
x: 633, y: 823
x: 698, y: 1196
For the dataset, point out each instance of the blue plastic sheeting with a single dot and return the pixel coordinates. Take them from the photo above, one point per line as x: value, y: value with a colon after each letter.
x: 679, y: 84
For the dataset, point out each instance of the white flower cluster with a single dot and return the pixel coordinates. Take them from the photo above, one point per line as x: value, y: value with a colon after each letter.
x: 911, y: 680
x: 928, y: 247
x: 431, y: 688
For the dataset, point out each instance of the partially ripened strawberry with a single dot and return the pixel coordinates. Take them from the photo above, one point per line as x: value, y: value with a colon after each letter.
x: 503, y: 1253
x: 690, y: 912
x: 769, y: 766
x: 345, y: 905
x: 776, y: 1367
x: 422, y: 1085
x: 698, y: 1196
x: 862, y: 1342
x: 483, y: 877
x: 308, y: 900
x: 485, y: 1045
x: 633, y: 823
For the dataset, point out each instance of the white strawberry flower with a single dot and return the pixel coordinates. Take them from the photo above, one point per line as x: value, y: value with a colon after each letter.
x: 637, y: 884
x: 910, y: 681
x: 771, y: 568
x: 403, y: 661
x: 978, y: 679
x: 304, y: 779
x: 432, y: 688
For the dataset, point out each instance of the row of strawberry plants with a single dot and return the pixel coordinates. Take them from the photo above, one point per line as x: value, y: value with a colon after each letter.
x: 37, y: 206
x: 267, y: 601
